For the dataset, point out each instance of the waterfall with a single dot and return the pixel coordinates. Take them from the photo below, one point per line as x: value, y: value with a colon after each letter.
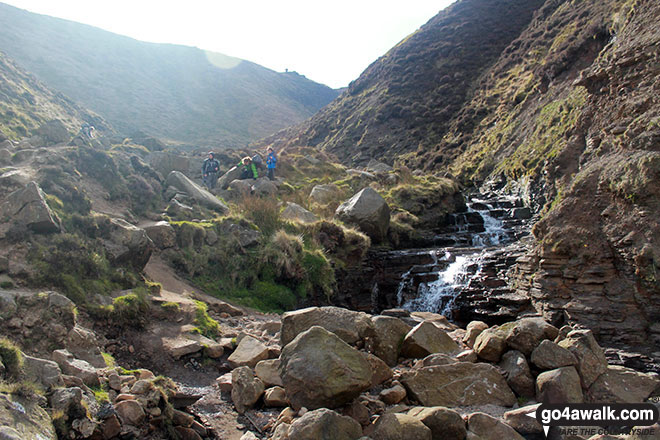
x: 494, y: 231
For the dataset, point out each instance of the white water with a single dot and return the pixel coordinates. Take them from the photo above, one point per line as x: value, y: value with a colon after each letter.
x: 494, y: 231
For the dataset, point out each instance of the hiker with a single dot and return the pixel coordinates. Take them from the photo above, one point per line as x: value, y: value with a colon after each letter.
x: 271, y: 162
x: 210, y: 169
x: 87, y: 131
x: 249, y: 170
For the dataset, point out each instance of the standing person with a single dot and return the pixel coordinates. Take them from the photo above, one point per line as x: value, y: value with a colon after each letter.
x: 271, y: 162
x: 249, y: 170
x: 210, y: 169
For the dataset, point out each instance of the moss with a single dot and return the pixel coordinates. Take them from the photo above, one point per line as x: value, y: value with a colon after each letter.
x: 171, y: 306
x: 100, y: 394
x: 109, y: 360
x: 131, y: 308
x: 204, y: 324
x: 11, y: 357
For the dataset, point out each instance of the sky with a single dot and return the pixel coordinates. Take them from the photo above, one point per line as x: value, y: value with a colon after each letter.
x: 330, y: 42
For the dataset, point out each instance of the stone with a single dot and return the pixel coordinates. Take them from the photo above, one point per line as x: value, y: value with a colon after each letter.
x: 527, y: 333
x: 490, y: 344
x: 224, y: 383
x: 249, y: 351
x: 241, y: 188
x: 249, y: 436
x: 28, y: 207
x: 76, y: 367
x: 82, y: 343
x: 269, y: 372
x: 458, y: 384
x: 444, y: 423
x: 128, y: 244
x: 186, y: 433
x: 521, y: 213
x: 490, y: 428
x: 181, y: 346
x: 42, y: 371
x: 368, y: 211
x: 549, y: 356
x: 275, y: 397
x: 520, y: 420
x: 214, y: 350
x: 130, y: 412
x: 296, y: 213
x: 226, y: 179
x: 561, y: 385
x: 246, y: 388
x: 436, y: 359
x: 392, y: 396
x: 263, y: 187
x: 375, y: 166
x: 380, y: 371
x: 318, y: 369
x: 623, y: 385
x: 324, y: 424
x: 391, y: 426
x: 179, y: 181
x: 467, y: 356
x: 347, y: 324
x: 110, y: 427
x: 590, y: 356
x: 517, y: 373
x: 473, y: 330
x: 21, y: 419
x: 281, y: 431
x: 162, y: 234
x: 358, y: 412
x: 361, y: 174
x: 425, y: 339
x: 53, y: 132
x: 324, y: 194
x: 180, y: 418
x: 389, y: 333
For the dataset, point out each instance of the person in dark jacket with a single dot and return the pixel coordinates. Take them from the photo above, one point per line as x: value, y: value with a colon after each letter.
x: 210, y: 169
x: 271, y: 163
x: 249, y: 170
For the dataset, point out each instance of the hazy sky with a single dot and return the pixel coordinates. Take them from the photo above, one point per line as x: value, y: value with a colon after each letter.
x: 331, y: 42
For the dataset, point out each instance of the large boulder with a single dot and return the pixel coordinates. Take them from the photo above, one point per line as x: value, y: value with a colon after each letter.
x: 226, y: 179
x: 444, y: 423
x: 28, y: 207
x: 179, y: 181
x: 42, y: 371
x: 21, y: 419
x: 246, y: 388
x: 559, y: 386
x: 249, y: 351
x: 489, y: 428
x: 517, y: 373
x: 623, y: 385
x: 82, y: 343
x: 324, y: 424
x: 128, y: 244
x: 425, y: 339
x: 490, y: 344
x: 318, y: 370
x: 458, y: 384
x: 367, y: 210
x: 393, y: 426
x: 548, y: 356
x: 527, y: 333
x: 165, y: 163
x: 349, y: 325
x: 473, y: 330
x: 590, y: 356
x: 389, y: 333
x: 162, y: 234
x: 269, y: 372
x: 323, y: 194
x: 296, y: 213
x: 76, y: 367
x: 53, y: 132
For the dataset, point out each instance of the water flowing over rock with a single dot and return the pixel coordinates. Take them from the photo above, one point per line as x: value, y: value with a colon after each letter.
x: 369, y: 211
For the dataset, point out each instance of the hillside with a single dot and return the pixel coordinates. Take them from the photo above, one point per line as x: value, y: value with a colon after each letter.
x: 174, y: 92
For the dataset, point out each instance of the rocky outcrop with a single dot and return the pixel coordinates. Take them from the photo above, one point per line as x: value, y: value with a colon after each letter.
x: 128, y: 244
x: 368, y: 211
x: 179, y: 181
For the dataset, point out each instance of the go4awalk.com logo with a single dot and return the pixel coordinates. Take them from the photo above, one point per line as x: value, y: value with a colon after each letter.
x: 575, y: 418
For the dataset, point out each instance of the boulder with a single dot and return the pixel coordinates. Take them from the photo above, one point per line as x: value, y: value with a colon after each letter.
x: 275, y: 397
x: 128, y: 244
x: 324, y: 424
x: 226, y: 179
x: 458, y: 384
x: 517, y: 373
x: 162, y: 234
x: 269, y: 372
x: 21, y: 419
x: 296, y: 213
x: 246, y: 389
x: 436, y: 359
x: 444, y: 423
x: 241, y: 188
x: 263, y: 187
x: 392, y: 426
x: 527, y: 333
x: 323, y: 194
x: 246, y: 236
x: 318, y: 369
x: 590, y: 356
x: 473, y: 330
x: 53, y: 132
x: 380, y: 371
x: 42, y: 371
x: 375, y: 166
x: 489, y: 428
x: 367, y: 210
x: 623, y: 385
x: 165, y: 163
x: 392, y: 396
x: 549, y: 356
x: 28, y: 207
x: 520, y: 420
x: 179, y: 181
x: 559, y: 386
x: 83, y: 345
x: 361, y: 174
x: 349, y: 325
x: 76, y: 367
x: 130, y: 412
x: 181, y: 346
x: 249, y: 351
x: 389, y: 333
x: 490, y: 344
x: 425, y: 339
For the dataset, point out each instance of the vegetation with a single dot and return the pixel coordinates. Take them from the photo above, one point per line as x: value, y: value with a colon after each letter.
x: 204, y: 324
x: 11, y: 358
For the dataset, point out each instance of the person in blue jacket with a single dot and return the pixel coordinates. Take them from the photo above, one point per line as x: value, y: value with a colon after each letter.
x: 271, y: 162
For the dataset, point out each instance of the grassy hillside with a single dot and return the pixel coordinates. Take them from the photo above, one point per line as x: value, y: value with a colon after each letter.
x: 175, y: 92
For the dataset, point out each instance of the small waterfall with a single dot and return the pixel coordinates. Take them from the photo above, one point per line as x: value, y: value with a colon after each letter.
x: 407, y: 279
x: 494, y: 231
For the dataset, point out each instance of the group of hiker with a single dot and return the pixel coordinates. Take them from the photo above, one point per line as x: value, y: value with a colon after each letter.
x: 249, y: 167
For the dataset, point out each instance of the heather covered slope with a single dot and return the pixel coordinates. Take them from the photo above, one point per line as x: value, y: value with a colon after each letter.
x: 173, y: 92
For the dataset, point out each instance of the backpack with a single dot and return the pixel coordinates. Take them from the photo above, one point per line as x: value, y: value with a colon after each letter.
x: 258, y: 161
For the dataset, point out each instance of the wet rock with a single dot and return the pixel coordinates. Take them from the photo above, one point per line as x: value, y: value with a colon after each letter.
x: 549, y: 356
x: 458, y: 384
x: 444, y: 423
x: 527, y: 333
x: 162, y: 234
x: 591, y: 358
x: 323, y: 194
x: 28, y: 207
x: 269, y: 372
x: 349, y: 325
x: 559, y: 386
x: 246, y: 389
x: 318, y: 369
x: 400, y: 426
x: 388, y: 334
x: 296, y: 213
x: 324, y: 424
x: 623, y: 385
x: 367, y: 210
x: 489, y: 428
x: 179, y: 181
x: 490, y: 344
x: 517, y: 373
x: 249, y: 351
x: 473, y: 329
x: 275, y: 397
x: 76, y: 367
x: 425, y: 339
